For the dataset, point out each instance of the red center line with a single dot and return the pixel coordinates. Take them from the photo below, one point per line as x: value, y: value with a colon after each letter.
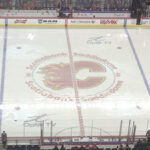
x: 74, y: 81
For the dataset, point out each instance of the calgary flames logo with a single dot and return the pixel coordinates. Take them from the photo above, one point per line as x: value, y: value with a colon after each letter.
x: 53, y: 77
x: 59, y: 76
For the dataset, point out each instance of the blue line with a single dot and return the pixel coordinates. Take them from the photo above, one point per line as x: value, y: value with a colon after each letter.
x: 3, y: 70
x: 125, y: 23
x: 138, y: 61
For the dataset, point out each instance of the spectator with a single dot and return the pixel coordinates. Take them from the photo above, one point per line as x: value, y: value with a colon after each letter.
x: 121, y: 147
x: 62, y: 147
x: 127, y: 147
x: 87, y: 147
x: 138, y: 144
x: 148, y: 136
x: 82, y: 148
x: 55, y: 148
x: 94, y: 147
x: 4, y: 139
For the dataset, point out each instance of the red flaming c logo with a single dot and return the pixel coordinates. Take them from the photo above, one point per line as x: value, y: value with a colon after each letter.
x: 59, y: 76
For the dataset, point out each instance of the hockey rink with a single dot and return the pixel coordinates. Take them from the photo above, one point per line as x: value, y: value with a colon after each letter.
x: 84, y: 80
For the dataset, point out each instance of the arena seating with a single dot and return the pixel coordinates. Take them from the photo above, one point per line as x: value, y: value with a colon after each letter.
x: 23, y: 147
x: 107, y: 5
x: 77, y: 5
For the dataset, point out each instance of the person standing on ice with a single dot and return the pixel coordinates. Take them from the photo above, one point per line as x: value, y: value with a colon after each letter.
x: 4, y: 139
x: 139, y: 11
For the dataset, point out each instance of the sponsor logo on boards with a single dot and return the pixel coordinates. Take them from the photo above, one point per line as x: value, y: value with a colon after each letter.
x: 20, y: 21
x: 47, y: 21
x: 108, y: 21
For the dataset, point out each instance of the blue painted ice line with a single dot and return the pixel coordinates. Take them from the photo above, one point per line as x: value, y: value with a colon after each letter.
x: 138, y: 61
x: 3, y: 70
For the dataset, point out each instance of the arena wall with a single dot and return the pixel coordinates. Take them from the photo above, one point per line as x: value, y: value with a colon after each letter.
x: 56, y: 22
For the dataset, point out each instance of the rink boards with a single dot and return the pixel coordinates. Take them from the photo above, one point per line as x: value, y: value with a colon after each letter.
x: 82, y: 23
x: 77, y: 78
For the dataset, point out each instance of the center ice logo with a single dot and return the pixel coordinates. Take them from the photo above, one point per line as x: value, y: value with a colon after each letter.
x: 52, y: 77
x: 59, y: 76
